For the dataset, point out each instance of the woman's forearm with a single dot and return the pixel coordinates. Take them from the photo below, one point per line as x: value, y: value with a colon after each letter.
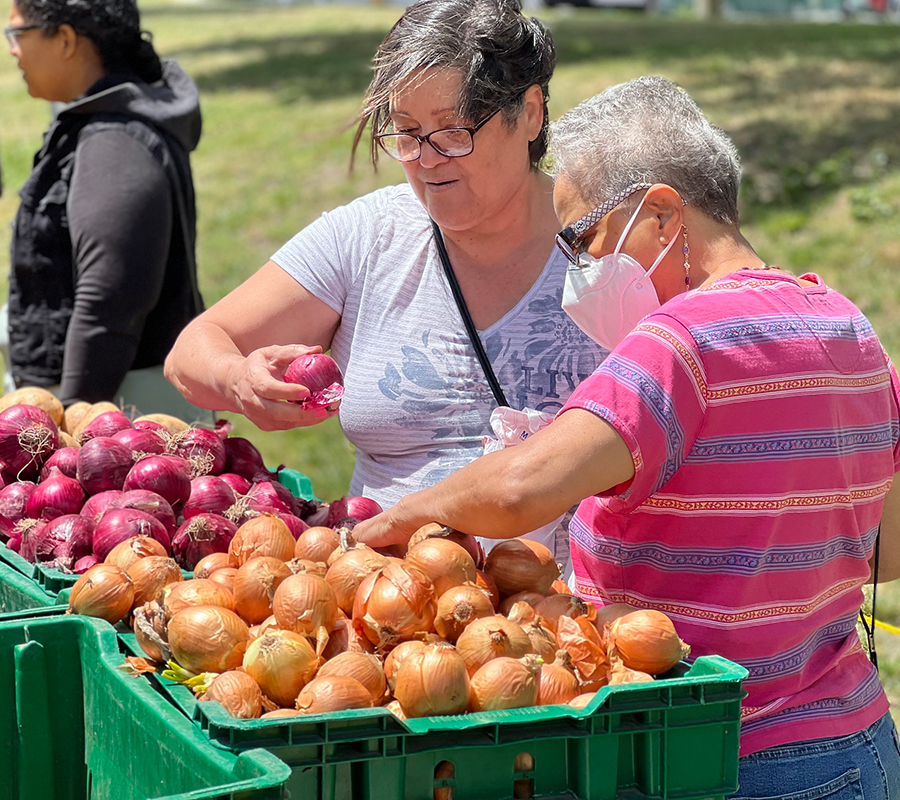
x: 199, y: 365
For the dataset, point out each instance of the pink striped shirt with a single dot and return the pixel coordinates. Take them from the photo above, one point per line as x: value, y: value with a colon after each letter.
x: 762, y: 417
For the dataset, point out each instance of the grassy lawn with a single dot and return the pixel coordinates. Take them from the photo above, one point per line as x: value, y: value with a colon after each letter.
x: 814, y: 109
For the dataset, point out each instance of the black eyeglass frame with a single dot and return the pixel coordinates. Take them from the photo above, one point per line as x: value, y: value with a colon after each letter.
x: 11, y: 32
x: 381, y: 137
x: 567, y: 239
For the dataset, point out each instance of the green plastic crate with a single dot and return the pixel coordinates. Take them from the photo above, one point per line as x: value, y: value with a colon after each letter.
x: 299, y: 484
x: 674, y: 739
x: 73, y: 726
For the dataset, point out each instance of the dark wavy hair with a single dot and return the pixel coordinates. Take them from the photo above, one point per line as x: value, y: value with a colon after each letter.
x: 499, y: 53
x: 114, y: 26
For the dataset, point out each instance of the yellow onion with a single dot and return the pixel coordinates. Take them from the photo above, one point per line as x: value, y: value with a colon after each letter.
x: 459, y: 606
x: 346, y: 639
x: 581, y: 640
x: 197, y: 592
x: 444, y: 563
x: 558, y: 683
x: 433, y: 681
x: 266, y: 626
x: 582, y: 700
x: 396, y: 657
x: 394, y: 708
x: 486, y: 582
x: 504, y: 683
x: 238, y: 693
x: 365, y: 667
x: 333, y: 693
x: 306, y: 604
x: 543, y: 643
x: 647, y: 641
x: 532, y: 598
x: 207, y: 565
x: 225, y: 578
x: 316, y: 543
x: 551, y: 608
x: 132, y: 550
x: 394, y: 604
x: 608, y: 614
x: 149, y: 626
x: 335, y: 555
x: 298, y: 565
x: 521, y: 613
x: 265, y: 535
x: 278, y: 713
x: 491, y: 637
x: 434, y: 530
x: 105, y: 591
x: 282, y: 663
x: 208, y: 639
x: 151, y: 575
x: 520, y: 565
x: 348, y: 572
x: 254, y: 587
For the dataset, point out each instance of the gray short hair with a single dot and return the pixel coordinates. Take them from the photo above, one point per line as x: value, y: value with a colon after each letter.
x: 498, y: 52
x: 647, y: 130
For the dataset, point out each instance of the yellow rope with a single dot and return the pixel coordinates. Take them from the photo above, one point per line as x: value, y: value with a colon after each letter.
x: 883, y: 625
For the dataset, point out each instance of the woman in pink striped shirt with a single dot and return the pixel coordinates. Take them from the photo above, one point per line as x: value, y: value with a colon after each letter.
x: 736, y: 450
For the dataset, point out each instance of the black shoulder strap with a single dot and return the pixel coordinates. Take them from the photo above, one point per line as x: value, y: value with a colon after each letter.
x: 497, y: 390
x: 870, y: 627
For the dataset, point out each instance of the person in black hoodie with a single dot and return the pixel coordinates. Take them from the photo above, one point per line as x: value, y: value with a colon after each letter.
x: 103, y: 274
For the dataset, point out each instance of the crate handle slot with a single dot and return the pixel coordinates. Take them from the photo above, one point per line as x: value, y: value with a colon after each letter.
x: 444, y: 784
x: 523, y: 784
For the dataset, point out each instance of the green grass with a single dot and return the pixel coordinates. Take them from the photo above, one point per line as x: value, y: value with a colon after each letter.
x: 814, y: 109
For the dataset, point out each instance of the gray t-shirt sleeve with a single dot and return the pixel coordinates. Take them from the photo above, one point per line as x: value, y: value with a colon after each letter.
x: 328, y: 256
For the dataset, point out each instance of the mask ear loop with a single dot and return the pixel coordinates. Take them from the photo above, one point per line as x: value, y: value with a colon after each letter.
x: 628, y: 227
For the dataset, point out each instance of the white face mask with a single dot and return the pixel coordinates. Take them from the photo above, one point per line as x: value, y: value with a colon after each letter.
x: 607, y: 297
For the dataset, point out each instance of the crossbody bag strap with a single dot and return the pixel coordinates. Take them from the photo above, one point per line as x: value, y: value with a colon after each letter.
x: 471, y: 330
x: 870, y: 627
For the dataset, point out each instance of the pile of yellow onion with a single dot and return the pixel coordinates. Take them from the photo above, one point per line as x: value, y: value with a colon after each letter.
x: 277, y: 627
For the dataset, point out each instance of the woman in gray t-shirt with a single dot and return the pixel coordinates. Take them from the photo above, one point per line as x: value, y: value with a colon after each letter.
x: 459, y: 97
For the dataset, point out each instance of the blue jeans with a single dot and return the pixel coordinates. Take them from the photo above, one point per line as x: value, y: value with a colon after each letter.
x: 862, y: 766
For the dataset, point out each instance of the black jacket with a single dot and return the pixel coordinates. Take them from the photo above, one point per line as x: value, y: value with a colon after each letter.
x: 103, y: 274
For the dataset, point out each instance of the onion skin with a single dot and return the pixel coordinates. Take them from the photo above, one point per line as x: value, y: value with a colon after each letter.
x: 306, y: 604
x: 558, y: 683
x: 444, y: 563
x: 127, y: 553
x: 393, y: 605
x: 580, y: 639
x: 198, y: 592
x: 97, y: 505
x: 362, y: 508
x: 224, y: 578
x: 364, y: 667
x: 281, y: 663
x: 543, y: 643
x: 345, y: 639
x: 254, y: 588
x: 505, y: 683
x: 647, y: 642
x: 239, y: 484
x: 320, y: 374
x: 396, y: 657
x: 103, y: 464
x: 433, y: 681
x: 201, y: 536
x: 168, y: 476
x: 316, y: 544
x: 263, y: 536
x: 103, y: 425
x: 209, y: 564
x: 56, y: 496
x: 243, y: 459
x: 435, y: 530
x: 150, y: 631
x: 150, y: 575
x: 334, y: 693
x: 28, y: 437
x: 14, y: 499
x: 104, y: 591
x: 141, y: 441
x: 65, y: 460
x: 83, y: 564
x: 120, y: 524
x: 208, y: 639
x: 237, y: 693
x: 202, y: 448
x: 150, y: 503
x: 459, y: 606
x: 491, y: 637
x: 582, y: 700
x: 349, y: 571
x: 551, y: 608
x: 610, y: 613
x: 532, y: 598
x: 519, y: 565
x: 71, y: 537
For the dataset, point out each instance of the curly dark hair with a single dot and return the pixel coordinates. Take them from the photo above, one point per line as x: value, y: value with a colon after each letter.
x: 499, y: 53
x: 114, y: 26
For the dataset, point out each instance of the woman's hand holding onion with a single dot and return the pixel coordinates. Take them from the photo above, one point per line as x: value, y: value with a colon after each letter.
x: 259, y: 392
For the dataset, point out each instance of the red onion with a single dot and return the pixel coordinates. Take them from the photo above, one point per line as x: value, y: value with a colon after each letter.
x: 84, y: 564
x: 337, y: 510
x: 295, y: 524
x: 237, y: 482
x: 362, y: 508
x: 14, y: 498
x: 268, y: 495
x: 316, y: 515
x: 150, y: 503
x: 65, y: 460
x: 321, y: 375
x: 106, y: 424
x: 70, y: 538
x: 149, y: 425
x: 55, y: 497
x: 7, y: 529
x: 15, y: 543
x: 242, y: 458
x: 28, y: 435
x: 202, y: 448
x: 199, y: 536
x: 141, y: 441
x: 168, y: 476
x: 96, y: 506
x: 120, y: 524
x: 209, y: 495
x: 103, y: 464
x: 33, y: 541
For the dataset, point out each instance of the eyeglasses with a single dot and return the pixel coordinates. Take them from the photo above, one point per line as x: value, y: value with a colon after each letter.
x: 568, y: 238
x: 449, y: 142
x: 12, y: 32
